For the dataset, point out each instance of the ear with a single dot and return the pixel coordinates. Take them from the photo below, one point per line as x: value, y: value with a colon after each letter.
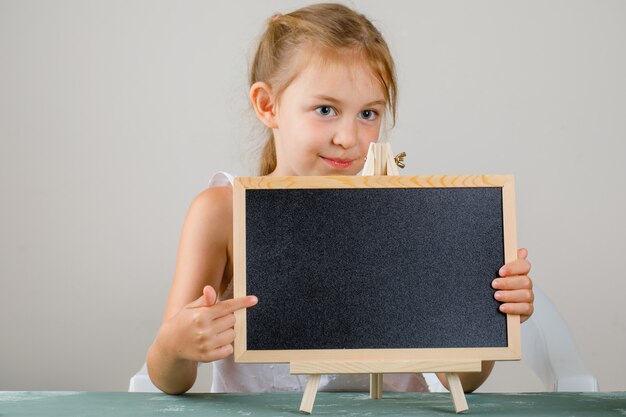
x: 264, y: 104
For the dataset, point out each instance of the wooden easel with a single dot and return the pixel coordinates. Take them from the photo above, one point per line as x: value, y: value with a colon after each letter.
x: 316, y: 369
x: 380, y: 161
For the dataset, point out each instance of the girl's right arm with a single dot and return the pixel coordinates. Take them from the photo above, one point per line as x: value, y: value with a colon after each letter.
x: 195, y: 328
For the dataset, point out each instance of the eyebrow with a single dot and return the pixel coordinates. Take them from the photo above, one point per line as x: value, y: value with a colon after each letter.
x: 335, y: 101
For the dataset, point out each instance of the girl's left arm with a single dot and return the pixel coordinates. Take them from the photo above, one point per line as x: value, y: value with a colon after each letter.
x: 515, y: 292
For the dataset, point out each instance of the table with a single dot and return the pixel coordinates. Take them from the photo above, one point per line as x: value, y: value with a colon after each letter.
x: 120, y: 404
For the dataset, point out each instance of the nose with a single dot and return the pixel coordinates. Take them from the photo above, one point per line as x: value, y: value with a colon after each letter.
x: 347, y: 135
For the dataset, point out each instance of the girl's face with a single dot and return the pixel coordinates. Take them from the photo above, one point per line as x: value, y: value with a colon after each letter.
x: 326, y: 119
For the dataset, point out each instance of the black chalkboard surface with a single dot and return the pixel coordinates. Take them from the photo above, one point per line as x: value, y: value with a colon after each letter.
x: 389, y: 263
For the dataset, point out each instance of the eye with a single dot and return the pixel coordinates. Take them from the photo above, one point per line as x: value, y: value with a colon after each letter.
x: 368, y: 114
x: 326, y: 111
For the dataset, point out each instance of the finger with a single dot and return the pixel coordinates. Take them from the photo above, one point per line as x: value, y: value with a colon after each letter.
x: 218, y: 353
x: 522, y: 309
x: 522, y: 253
x: 518, y: 282
x: 230, y: 306
x: 223, y: 323
x: 225, y: 351
x: 208, y: 295
x: 515, y: 296
x: 224, y: 338
x: 517, y: 267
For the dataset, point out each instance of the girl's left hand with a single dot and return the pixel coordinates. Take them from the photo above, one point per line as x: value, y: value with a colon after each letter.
x: 515, y: 289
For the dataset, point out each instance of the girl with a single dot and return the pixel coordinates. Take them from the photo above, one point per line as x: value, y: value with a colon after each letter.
x: 321, y: 81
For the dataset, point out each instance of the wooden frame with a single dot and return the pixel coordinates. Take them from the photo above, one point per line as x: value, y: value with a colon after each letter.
x: 436, y: 357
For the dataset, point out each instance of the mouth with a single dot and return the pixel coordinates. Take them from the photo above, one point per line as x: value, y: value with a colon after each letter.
x: 338, y: 163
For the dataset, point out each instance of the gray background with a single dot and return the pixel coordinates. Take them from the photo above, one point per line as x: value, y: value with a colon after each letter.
x: 114, y: 114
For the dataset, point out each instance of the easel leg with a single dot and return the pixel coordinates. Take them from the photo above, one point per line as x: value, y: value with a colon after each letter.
x: 376, y: 386
x: 456, y: 390
x: 310, y: 391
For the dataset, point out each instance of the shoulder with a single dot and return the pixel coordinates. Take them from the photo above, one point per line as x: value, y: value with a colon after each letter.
x: 214, y: 199
x: 210, y: 214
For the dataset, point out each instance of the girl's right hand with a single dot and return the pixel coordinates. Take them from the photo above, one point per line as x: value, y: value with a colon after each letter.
x: 203, y: 331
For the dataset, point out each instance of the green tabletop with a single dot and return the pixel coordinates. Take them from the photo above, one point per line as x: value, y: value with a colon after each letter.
x: 119, y: 404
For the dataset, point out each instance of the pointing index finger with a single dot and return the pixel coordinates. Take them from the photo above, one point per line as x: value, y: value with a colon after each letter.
x: 230, y: 306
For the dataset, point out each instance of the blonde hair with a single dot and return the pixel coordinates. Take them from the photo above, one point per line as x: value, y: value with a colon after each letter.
x: 334, y: 29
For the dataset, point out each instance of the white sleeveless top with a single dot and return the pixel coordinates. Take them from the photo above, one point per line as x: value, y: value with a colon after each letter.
x: 229, y: 376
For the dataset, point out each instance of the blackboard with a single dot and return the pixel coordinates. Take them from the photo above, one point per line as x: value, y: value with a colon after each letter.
x: 365, y: 264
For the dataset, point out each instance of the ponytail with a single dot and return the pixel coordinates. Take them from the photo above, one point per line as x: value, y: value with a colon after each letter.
x: 268, y: 156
